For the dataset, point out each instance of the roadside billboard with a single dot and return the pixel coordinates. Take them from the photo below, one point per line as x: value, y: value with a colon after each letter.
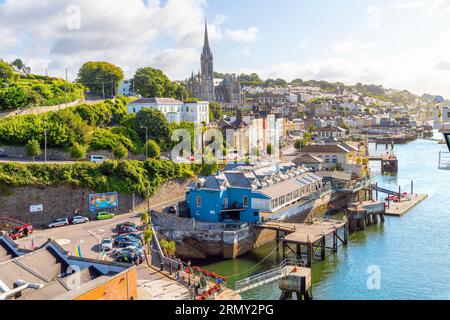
x: 103, y: 201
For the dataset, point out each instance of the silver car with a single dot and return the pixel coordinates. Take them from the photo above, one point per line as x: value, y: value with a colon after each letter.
x: 79, y: 220
x: 106, y: 244
x: 59, y: 223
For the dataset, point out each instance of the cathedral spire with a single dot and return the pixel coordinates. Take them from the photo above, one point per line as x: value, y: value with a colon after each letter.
x: 206, y: 47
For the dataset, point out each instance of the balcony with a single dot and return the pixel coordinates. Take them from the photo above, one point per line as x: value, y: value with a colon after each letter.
x: 233, y: 207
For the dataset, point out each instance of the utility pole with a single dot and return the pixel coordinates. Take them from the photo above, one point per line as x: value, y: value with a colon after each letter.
x: 103, y: 89
x: 45, y: 144
x: 65, y: 89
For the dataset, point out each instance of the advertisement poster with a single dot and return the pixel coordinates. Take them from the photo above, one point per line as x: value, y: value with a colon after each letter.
x: 103, y: 201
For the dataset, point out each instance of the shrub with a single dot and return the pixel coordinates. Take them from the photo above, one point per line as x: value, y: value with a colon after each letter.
x: 78, y: 152
x: 120, y: 152
x: 153, y: 150
x: 33, y: 149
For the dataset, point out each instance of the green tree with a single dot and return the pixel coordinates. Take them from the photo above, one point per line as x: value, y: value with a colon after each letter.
x: 215, y: 111
x: 101, y: 78
x: 78, y: 151
x: 299, y: 144
x: 270, y: 149
x: 157, y: 124
x: 144, y: 219
x: 169, y: 248
x: 6, y: 71
x: 33, y: 149
x: 153, y: 150
x: 148, y: 237
x: 120, y: 151
x: 13, y: 97
x: 153, y: 83
x: 18, y: 63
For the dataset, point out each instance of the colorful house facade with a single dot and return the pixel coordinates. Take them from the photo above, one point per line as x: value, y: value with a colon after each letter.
x: 245, y: 193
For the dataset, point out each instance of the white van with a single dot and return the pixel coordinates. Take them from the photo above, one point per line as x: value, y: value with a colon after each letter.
x: 98, y: 159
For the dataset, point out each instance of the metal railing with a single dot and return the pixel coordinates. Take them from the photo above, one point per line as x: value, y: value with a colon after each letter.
x: 266, y: 276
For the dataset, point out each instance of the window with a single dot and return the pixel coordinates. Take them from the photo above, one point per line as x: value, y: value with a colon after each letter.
x: 245, y: 201
x: 225, y: 203
x: 199, y: 201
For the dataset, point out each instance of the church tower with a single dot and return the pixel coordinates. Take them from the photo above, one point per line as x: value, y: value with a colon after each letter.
x: 207, y: 65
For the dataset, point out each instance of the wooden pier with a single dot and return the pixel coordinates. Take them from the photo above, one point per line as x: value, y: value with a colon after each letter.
x: 389, y: 163
x: 309, y: 241
x: 398, y: 209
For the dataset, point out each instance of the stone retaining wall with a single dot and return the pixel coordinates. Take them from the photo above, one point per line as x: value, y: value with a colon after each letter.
x: 62, y: 201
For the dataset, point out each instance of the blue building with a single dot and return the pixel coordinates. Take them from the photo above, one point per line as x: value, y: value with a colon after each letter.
x: 247, y: 193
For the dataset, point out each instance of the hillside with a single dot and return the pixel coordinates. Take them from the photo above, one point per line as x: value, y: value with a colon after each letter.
x: 25, y: 91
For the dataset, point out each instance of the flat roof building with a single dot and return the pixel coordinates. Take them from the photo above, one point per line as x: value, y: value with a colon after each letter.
x: 50, y: 273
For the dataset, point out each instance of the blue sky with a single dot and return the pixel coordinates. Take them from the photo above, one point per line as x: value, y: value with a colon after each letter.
x: 402, y: 44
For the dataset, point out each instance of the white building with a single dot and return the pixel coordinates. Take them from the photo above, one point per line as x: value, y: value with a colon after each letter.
x: 174, y: 110
x: 126, y: 88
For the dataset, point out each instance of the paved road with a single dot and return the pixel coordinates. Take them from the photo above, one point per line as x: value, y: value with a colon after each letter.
x: 88, y: 235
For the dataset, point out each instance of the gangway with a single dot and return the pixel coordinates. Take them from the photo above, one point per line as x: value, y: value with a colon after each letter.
x: 386, y: 191
x: 267, y: 276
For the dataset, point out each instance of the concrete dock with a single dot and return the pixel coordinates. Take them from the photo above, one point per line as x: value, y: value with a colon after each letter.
x: 398, y: 209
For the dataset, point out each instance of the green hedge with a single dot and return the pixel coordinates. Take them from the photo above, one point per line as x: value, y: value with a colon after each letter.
x: 110, y: 176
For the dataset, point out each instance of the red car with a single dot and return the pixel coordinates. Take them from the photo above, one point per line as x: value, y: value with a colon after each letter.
x: 21, y: 232
x: 127, y: 229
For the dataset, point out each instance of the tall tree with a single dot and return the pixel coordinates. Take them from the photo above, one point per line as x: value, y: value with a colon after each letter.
x: 102, y: 78
x: 18, y: 63
x: 153, y: 83
x: 215, y: 111
x: 156, y: 124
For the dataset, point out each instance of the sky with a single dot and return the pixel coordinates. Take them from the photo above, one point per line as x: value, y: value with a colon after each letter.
x: 401, y: 44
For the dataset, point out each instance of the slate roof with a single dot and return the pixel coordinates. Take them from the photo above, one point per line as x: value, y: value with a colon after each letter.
x: 308, y: 159
x: 167, y: 101
x: 324, y: 148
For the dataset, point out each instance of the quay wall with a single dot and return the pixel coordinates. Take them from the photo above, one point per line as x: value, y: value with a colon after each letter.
x: 198, y: 240
x: 62, y: 201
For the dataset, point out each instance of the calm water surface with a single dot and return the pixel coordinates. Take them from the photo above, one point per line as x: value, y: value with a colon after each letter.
x: 412, y: 252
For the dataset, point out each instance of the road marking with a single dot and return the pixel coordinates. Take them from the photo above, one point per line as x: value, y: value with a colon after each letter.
x: 63, y: 242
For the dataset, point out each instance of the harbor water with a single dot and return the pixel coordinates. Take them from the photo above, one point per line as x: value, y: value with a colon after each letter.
x: 406, y: 258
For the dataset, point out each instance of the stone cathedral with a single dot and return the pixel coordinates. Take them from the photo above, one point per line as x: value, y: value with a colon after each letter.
x: 204, y: 86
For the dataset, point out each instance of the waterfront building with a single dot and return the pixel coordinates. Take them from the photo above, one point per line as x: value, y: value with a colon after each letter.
x: 335, y: 155
x: 332, y: 132
x: 174, y: 110
x: 205, y: 86
x: 247, y: 193
x: 51, y: 273
x: 309, y: 161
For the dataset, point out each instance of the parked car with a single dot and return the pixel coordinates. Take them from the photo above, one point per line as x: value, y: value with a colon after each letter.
x: 106, y: 244
x: 79, y: 220
x: 127, y: 224
x: 98, y: 159
x: 173, y: 210
x: 126, y: 240
x: 59, y: 223
x: 131, y: 255
x: 105, y: 215
x: 126, y: 229
x: 135, y: 235
x: 21, y: 232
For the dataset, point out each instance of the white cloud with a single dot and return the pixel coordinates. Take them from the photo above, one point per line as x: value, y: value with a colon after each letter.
x: 432, y: 7
x: 127, y: 33
x: 351, y: 46
x: 243, y: 35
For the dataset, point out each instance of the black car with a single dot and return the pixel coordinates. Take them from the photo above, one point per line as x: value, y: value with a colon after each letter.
x: 130, y: 256
x: 127, y: 224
